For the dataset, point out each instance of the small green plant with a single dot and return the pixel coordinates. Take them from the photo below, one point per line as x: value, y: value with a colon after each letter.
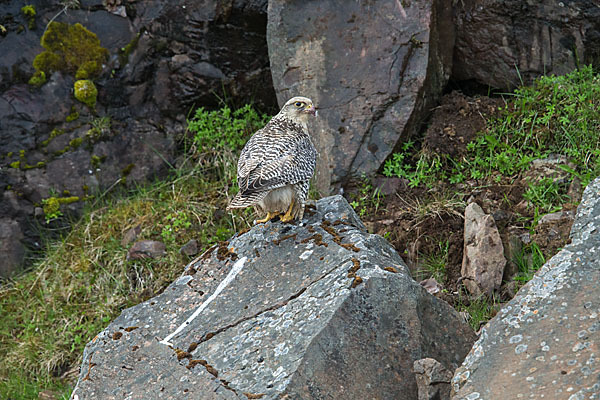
x: 86, y: 92
x: 546, y: 194
x: 29, y: 12
x: 175, y: 223
x: 480, y: 310
x: 366, y: 198
x: 225, y: 129
x: 51, y: 206
x: 528, y: 261
x: 427, y: 169
x: 100, y: 128
x: 433, y: 265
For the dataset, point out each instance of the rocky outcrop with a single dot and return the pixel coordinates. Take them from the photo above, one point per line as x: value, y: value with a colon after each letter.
x: 373, y: 72
x: 483, y: 253
x: 165, y: 58
x: 322, y: 310
x: 544, y: 343
x: 502, y: 43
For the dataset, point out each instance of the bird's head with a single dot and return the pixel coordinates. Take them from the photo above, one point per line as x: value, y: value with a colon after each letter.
x: 299, y: 108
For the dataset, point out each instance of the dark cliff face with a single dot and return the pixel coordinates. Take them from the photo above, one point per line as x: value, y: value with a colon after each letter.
x: 504, y: 43
x: 164, y: 59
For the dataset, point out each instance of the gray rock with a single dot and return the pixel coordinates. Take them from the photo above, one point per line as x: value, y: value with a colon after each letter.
x: 503, y: 42
x: 373, y: 73
x: 549, y: 167
x: 322, y: 310
x: 11, y: 248
x: 433, y: 379
x: 190, y: 248
x: 483, y: 255
x: 544, y: 342
x: 146, y: 249
x: 131, y: 235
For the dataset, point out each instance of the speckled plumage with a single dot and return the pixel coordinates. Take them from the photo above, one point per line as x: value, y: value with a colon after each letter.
x: 276, y: 164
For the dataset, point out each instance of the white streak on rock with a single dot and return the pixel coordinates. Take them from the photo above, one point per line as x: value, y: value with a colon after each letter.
x: 237, y: 267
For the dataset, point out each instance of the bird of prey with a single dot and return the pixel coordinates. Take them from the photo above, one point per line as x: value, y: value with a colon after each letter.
x: 277, y: 163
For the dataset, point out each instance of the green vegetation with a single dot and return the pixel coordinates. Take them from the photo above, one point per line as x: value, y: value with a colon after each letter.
x: 48, y: 314
x: 479, y: 310
x: 100, y: 128
x: 86, y: 92
x: 54, y: 133
x: 29, y: 12
x: 73, y: 116
x: 554, y: 116
x: 547, y: 195
x: 366, y: 198
x: 224, y: 129
x: 558, y: 115
x: 51, y: 206
x: 37, y: 79
x: 69, y: 48
x: 528, y: 261
x: 433, y: 265
x: 128, y: 49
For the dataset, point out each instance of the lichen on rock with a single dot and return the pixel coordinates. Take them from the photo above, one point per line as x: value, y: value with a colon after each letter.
x: 86, y: 92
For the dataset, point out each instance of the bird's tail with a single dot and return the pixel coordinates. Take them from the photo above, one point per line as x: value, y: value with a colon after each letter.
x: 241, y: 201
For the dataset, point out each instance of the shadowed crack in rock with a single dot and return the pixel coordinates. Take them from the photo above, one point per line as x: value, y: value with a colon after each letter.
x: 275, y: 306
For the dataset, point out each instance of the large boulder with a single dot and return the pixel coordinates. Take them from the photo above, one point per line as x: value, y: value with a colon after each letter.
x: 322, y: 310
x: 372, y: 71
x: 544, y: 343
x: 502, y: 43
x: 165, y: 58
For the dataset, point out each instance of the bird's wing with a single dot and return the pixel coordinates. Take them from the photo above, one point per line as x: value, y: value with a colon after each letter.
x: 275, y: 164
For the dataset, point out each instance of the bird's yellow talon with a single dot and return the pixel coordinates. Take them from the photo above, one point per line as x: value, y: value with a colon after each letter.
x: 288, y: 215
x: 269, y: 217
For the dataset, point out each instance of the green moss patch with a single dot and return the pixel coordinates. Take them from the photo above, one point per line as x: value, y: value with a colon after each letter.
x: 38, y: 79
x: 72, y: 49
x: 51, y: 206
x: 29, y: 12
x: 86, y: 92
x: 55, y: 132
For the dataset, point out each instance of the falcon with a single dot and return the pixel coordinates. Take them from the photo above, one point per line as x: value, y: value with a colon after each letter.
x: 276, y: 165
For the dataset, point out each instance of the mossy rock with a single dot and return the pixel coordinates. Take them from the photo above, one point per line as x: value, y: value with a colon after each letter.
x: 48, y: 62
x: 86, y: 92
x: 73, y: 116
x: 72, y: 49
x: 38, y: 79
x: 87, y: 70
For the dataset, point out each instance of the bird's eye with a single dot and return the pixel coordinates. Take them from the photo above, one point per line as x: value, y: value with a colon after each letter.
x: 298, y: 104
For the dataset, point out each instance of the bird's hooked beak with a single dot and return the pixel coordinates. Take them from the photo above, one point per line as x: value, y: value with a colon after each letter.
x: 311, y: 110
